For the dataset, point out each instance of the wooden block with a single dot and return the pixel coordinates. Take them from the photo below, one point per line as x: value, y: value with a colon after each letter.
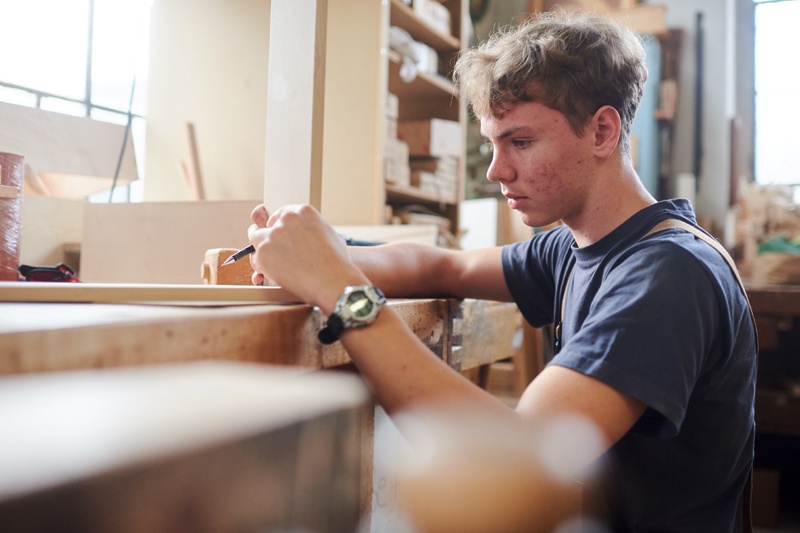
x: 237, y: 273
x: 191, y: 447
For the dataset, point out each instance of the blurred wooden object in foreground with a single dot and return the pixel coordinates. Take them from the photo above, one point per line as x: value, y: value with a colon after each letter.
x: 205, y: 446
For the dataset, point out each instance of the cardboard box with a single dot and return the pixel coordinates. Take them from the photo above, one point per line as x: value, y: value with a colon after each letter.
x: 431, y: 137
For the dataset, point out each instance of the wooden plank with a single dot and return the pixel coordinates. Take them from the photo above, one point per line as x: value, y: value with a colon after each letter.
x: 201, y: 446
x: 192, y: 175
x: 12, y: 291
x: 159, y: 242
x: 295, y: 103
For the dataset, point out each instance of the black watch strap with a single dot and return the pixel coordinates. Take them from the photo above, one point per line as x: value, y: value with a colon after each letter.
x: 332, y: 330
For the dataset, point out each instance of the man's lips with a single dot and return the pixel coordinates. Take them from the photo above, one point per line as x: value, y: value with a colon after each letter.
x: 513, y: 199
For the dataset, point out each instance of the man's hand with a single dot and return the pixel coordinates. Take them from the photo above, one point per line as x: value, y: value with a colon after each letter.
x: 302, y: 253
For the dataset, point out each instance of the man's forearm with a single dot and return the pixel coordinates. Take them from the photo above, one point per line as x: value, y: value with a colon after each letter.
x: 402, y: 269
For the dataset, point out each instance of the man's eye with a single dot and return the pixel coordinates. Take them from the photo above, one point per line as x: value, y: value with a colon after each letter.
x: 521, y: 143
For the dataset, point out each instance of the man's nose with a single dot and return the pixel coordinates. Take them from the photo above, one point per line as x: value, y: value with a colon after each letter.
x: 498, y: 169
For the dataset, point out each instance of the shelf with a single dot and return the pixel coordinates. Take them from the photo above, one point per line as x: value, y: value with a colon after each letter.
x: 424, y: 84
x: 430, y: 95
x: 395, y: 193
x: 425, y: 96
x: 404, y: 17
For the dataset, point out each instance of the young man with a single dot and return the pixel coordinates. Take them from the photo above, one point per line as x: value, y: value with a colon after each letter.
x: 655, y: 343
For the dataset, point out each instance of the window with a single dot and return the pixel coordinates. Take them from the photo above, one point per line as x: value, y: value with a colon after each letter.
x: 777, y: 87
x: 78, y: 57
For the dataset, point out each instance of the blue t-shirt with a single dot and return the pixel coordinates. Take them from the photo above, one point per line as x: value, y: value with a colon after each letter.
x: 662, y: 319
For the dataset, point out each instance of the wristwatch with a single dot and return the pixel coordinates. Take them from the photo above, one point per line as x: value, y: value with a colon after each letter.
x: 358, y: 306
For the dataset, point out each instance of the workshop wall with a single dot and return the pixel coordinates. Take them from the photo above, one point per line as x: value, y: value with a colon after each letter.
x: 208, y: 66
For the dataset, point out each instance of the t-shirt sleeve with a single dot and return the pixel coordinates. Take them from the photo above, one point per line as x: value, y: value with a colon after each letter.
x: 646, y: 332
x: 530, y: 271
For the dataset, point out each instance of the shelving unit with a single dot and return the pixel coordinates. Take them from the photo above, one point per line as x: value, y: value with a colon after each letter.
x: 361, y: 71
x: 429, y: 96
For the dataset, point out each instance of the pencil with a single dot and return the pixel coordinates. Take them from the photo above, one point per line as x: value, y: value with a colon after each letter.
x: 238, y: 255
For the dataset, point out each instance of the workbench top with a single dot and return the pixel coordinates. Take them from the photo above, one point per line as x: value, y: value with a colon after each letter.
x: 37, y: 337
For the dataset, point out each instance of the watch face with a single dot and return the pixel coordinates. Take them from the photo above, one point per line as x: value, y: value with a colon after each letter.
x: 359, y: 304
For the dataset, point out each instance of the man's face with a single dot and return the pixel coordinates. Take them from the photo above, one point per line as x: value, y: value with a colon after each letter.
x: 543, y: 167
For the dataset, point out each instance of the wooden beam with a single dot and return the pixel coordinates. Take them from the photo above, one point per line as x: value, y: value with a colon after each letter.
x: 295, y: 97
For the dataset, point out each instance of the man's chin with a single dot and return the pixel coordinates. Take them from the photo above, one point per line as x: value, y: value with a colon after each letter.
x: 536, y: 221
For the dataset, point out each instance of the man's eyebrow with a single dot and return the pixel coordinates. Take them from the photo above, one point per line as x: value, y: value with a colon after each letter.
x: 511, y: 131
x: 505, y: 134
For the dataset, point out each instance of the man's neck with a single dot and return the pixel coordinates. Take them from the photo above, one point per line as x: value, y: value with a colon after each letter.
x: 613, y: 202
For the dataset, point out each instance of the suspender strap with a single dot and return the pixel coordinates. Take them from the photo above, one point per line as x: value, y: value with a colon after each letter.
x: 747, y: 518
x: 679, y: 224
x: 714, y: 243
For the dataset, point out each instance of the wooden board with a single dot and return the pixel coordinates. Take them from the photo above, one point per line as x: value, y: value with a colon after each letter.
x: 12, y: 291
x: 159, y: 242
x: 48, y: 224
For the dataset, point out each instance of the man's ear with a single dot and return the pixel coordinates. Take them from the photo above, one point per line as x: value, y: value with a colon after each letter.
x: 606, y: 128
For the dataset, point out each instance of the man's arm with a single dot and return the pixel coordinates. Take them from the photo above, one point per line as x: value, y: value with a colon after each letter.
x: 562, y: 391
x: 410, y: 270
x: 308, y: 258
x: 416, y: 270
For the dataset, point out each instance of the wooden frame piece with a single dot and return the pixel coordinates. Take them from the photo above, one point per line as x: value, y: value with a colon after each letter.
x: 13, y: 291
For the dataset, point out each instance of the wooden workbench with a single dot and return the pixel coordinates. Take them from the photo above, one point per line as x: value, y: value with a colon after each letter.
x: 38, y: 337
x: 45, y: 337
